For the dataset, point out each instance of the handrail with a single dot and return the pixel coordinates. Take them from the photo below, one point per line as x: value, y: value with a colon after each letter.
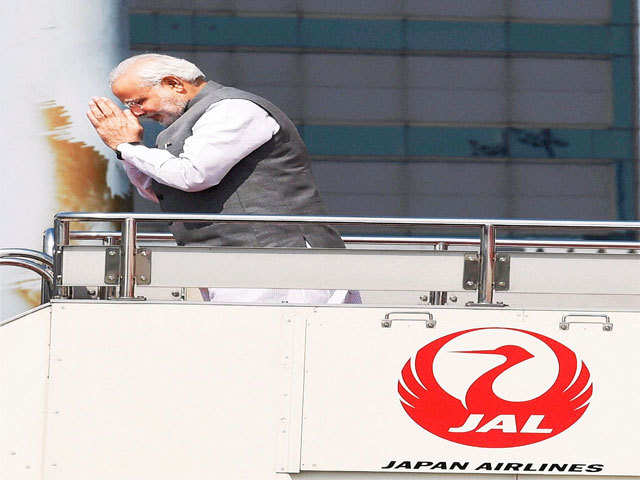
x: 487, y: 233
x: 392, y: 240
x: 26, y: 253
x: 67, y: 217
x: 44, y: 272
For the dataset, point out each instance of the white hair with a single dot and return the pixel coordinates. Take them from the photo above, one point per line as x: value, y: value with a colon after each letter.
x: 154, y: 67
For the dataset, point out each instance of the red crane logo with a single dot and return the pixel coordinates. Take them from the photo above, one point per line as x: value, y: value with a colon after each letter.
x: 484, y: 419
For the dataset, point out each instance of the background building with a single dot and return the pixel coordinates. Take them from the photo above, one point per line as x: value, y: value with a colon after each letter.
x: 439, y: 108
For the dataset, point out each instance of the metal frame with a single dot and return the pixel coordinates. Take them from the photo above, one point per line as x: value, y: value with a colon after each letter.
x: 487, y: 230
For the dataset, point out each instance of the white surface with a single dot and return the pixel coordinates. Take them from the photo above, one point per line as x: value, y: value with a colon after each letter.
x: 280, y: 268
x: 169, y: 391
x: 353, y: 419
x: 24, y: 362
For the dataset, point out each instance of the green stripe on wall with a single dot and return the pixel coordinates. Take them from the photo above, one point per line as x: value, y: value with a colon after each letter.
x: 382, y: 35
x: 348, y: 140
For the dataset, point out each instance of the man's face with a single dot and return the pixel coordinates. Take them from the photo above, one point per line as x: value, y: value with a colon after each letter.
x: 158, y: 102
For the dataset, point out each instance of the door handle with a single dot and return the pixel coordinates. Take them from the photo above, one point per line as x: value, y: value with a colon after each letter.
x: 607, y: 326
x: 388, y: 321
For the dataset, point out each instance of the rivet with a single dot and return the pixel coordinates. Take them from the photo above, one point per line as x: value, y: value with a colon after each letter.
x: 112, y: 253
x: 143, y: 278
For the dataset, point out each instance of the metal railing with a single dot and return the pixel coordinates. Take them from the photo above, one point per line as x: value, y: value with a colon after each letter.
x: 37, y: 262
x: 486, y: 229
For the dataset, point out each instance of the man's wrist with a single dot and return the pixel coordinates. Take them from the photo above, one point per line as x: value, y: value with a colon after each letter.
x: 119, y: 147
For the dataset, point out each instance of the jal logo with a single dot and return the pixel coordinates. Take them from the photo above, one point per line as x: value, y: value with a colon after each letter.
x: 495, y: 387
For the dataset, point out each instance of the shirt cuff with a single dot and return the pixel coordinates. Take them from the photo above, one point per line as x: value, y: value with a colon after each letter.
x: 125, y: 149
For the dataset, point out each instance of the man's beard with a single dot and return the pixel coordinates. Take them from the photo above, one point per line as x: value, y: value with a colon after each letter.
x: 171, y: 109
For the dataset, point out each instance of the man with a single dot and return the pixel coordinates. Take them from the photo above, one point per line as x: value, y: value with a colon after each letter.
x: 223, y: 151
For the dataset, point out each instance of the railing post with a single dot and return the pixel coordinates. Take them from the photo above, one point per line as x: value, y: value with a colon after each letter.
x: 487, y: 264
x: 127, y: 259
x: 439, y: 297
x: 48, y: 247
x: 107, y: 292
x: 61, y: 239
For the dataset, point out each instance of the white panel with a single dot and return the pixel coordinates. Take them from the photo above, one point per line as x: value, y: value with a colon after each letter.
x: 171, y: 391
x: 461, y: 106
x: 286, y: 99
x: 459, y: 206
x: 562, y: 75
x: 353, y: 104
x: 456, y: 73
x: 562, y: 207
x: 562, y: 107
x: 457, y: 8
x: 561, y: 9
x: 533, y: 179
x: 266, y: 69
x: 215, y: 65
x: 361, y: 177
x: 577, y: 273
x: 353, y: 70
x: 366, y: 204
x: 353, y: 391
x: 470, y: 178
x: 280, y: 268
x: 367, y: 7
x: 24, y: 362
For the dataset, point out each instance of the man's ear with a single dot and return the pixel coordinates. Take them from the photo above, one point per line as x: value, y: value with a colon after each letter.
x: 174, y: 83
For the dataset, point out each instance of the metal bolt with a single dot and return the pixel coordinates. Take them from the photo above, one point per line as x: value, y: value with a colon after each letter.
x: 112, y: 253
x: 143, y: 253
x: 501, y: 284
x: 143, y: 278
x: 175, y: 293
x: 91, y: 292
x: 471, y: 258
x: 453, y: 299
x: 502, y: 259
x: 386, y: 324
x: 59, y: 278
x: 424, y: 298
x: 110, y: 277
x: 470, y: 283
x: 564, y: 326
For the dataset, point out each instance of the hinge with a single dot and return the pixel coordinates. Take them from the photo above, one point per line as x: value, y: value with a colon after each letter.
x: 143, y: 266
x: 471, y: 272
x: 502, y: 272
x: 112, y: 266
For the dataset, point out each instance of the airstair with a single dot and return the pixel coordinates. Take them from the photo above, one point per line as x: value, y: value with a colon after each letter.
x: 503, y: 349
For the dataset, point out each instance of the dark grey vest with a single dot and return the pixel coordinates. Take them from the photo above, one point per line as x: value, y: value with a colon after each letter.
x: 275, y: 179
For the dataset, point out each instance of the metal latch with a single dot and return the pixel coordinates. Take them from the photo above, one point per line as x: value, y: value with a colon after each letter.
x: 388, y: 321
x: 471, y: 272
x: 607, y: 326
x: 142, y: 266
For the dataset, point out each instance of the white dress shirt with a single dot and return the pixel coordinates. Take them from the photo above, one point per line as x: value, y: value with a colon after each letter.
x: 226, y: 133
